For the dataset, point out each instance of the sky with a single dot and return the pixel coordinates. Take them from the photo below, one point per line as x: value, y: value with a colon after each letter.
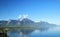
x: 37, y: 10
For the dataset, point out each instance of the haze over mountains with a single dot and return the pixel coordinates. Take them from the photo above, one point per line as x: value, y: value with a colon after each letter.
x: 27, y: 22
x: 30, y: 26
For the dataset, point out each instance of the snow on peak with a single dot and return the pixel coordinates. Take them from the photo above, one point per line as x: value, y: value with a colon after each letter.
x: 25, y: 16
x: 21, y: 17
x: 37, y: 21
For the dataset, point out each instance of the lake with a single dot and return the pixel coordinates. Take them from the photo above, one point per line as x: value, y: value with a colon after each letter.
x: 53, y: 32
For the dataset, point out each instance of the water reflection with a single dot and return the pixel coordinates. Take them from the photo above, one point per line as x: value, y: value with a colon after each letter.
x: 53, y: 32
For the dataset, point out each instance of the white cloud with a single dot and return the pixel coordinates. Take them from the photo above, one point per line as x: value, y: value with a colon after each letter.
x: 25, y: 16
x: 22, y: 16
x: 19, y: 16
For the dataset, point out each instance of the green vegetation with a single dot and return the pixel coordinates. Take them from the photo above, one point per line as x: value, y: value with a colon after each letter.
x: 3, y: 33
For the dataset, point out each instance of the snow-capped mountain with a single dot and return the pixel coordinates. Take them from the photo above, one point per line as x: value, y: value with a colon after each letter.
x: 45, y: 25
x: 27, y: 22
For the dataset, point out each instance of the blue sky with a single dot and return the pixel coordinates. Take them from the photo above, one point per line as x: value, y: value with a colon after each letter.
x: 45, y: 10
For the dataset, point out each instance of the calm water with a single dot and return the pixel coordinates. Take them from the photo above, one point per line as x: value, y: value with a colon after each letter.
x: 54, y: 32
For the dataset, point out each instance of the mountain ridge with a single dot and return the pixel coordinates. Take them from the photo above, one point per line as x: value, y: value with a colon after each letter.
x: 27, y: 22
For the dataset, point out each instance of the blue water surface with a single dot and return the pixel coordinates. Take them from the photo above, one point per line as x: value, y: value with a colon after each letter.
x: 54, y: 32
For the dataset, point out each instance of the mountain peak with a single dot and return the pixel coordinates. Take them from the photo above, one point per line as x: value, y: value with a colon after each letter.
x: 21, y: 17
x: 26, y: 21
